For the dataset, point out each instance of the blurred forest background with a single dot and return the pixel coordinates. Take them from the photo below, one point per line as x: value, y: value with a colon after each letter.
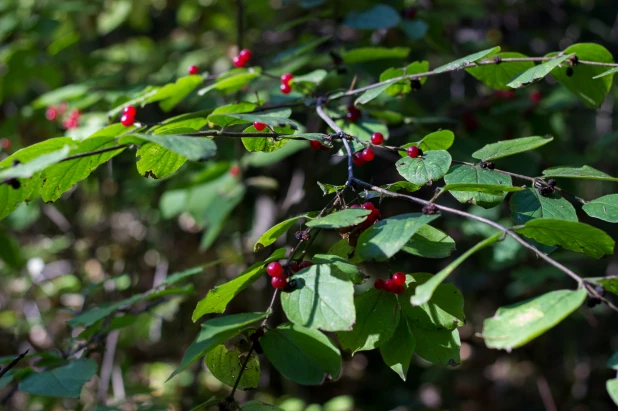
x: 117, y: 233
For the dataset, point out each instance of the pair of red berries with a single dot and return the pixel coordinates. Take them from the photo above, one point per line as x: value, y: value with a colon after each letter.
x: 363, y: 157
x: 394, y: 285
x: 353, y: 114
x: 128, y: 116
x: 372, y: 217
x: 53, y: 112
x: 243, y: 58
x: 72, y: 120
x: 193, y: 69
x: 286, y: 87
x: 279, y: 276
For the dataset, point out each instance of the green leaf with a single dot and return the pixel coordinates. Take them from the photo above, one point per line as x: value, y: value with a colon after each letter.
x: 220, y: 118
x: 303, y: 355
x: 510, y: 147
x: 365, y: 54
x: 224, y: 363
x: 578, y: 237
x: 265, y: 144
x: 314, y: 77
x: 343, y: 218
x: 583, y: 172
x: 377, y: 17
x: 363, y: 130
x: 62, y: 176
x: 497, y: 76
x: 398, y: 350
x: 330, y: 188
x: 530, y: 204
x: 438, y: 347
x: 472, y: 58
x: 438, y: 140
x: 403, y: 86
x: 234, y: 81
x: 429, y: 242
x: 192, y: 148
x: 218, y: 298
x: 536, y: 73
x: 432, y: 166
x: 604, y: 208
x: 60, y: 95
x: 214, y: 332
x: 424, y: 292
x: 370, y: 94
x: 376, y: 321
x: 610, y: 283
x: 157, y: 161
x: 470, y: 176
x: 386, y: 237
x: 171, y: 94
x: 606, y: 73
x: 259, y: 406
x: 515, y: 325
x: 612, y: 389
x: 64, y: 382
x: 30, y: 168
x: 273, y: 233
x: 323, y: 299
x: 583, y: 83
x: 277, y: 119
x: 340, y: 266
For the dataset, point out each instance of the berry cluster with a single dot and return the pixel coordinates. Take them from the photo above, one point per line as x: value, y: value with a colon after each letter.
x: 353, y: 114
x: 128, y: 116
x: 279, y: 276
x: 53, y: 112
x: 549, y: 189
x: 70, y: 121
x: 286, y: 87
x: 394, y: 285
x: 429, y: 209
x: 243, y: 58
x: 354, y: 232
x: 193, y: 69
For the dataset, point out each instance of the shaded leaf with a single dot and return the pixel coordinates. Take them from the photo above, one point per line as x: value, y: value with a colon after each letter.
x: 398, y: 350
x: 583, y: 172
x: 273, y: 233
x: 192, y: 148
x: 497, y: 76
x: 65, y: 381
x: 530, y: 204
x: 225, y: 364
x: 604, y: 208
x: 510, y: 147
x: 469, y: 176
x: 438, y: 347
x: 432, y: 166
x: 429, y: 242
x: 364, y: 54
x: 343, y: 218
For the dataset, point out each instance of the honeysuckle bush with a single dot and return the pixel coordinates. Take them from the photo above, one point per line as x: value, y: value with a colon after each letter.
x: 332, y: 302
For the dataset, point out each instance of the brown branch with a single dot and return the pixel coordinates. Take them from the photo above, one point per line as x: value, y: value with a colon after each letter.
x: 13, y: 363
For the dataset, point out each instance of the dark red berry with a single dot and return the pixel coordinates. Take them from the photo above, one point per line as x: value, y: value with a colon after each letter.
x: 399, y: 278
x: 51, y: 113
x: 131, y: 111
x: 305, y: 264
x: 239, y: 62
x: 410, y: 14
x: 315, y: 144
x: 535, y: 96
x: 379, y: 284
x: 193, y: 69
x: 358, y: 159
x: 127, y: 120
x: 259, y: 126
x: 398, y: 289
x: 293, y: 266
x: 368, y: 154
x: 286, y: 78
x: 368, y: 206
x: 274, y: 269
x: 429, y: 209
x: 375, y: 215
x: 389, y: 286
x: 377, y: 138
x: 285, y: 88
x: 413, y: 151
x: 245, y: 54
x: 278, y: 282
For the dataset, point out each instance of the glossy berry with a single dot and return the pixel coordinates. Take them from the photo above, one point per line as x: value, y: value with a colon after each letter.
x: 274, y: 269
x: 51, y: 113
x: 377, y: 138
x: 389, y: 286
x: 368, y: 154
x: 315, y: 144
x: 399, y: 278
x: 358, y: 159
x: 70, y: 123
x: 239, y: 62
x: 413, y: 151
x: 375, y: 215
x: 293, y: 266
x: 193, y: 69
x: 278, y: 282
x: 286, y: 78
x: 127, y: 120
x: 131, y: 111
x: 259, y: 126
x: 368, y: 206
x: 379, y: 284
x: 245, y: 54
x: 305, y: 264
x: 285, y: 88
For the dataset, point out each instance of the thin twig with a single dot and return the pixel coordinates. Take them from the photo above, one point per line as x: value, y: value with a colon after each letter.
x: 331, y: 123
x: 13, y: 363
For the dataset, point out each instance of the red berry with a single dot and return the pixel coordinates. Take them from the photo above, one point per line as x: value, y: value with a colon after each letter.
x: 315, y: 144
x: 285, y: 88
x: 130, y: 111
x: 413, y: 151
x: 245, y: 54
x: 51, y: 113
x: 235, y: 171
x: 239, y: 62
x: 193, y: 69
x: 353, y: 109
x: 70, y: 123
x: 75, y: 114
x: 368, y: 154
x: 278, y: 282
x: 5, y: 143
x: 358, y: 159
x: 379, y: 284
x: 259, y: 126
x: 305, y: 264
x: 375, y: 215
x: 389, y: 286
x: 127, y: 120
x: 286, y: 78
x: 399, y: 278
x: 294, y: 267
x: 377, y: 139
x: 398, y: 289
x: 368, y: 206
x: 536, y: 96
x: 274, y: 269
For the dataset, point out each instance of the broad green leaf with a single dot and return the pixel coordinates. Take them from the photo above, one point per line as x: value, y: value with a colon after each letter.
x: 157, y: 161
x: 220, y: 118
x: 365, y: 54
x: 429, y: 242
x: 497, y: 76
x: 62, y: 176
x: 606, y: 73
x: 218, y: 298
x: 30, y: 168
x: 385, y: 238
x: 578, y: 237
x: 377, y: 17
x: 314, y: 77
x: 612, y: 389
x: 604, y: 208
x: 437, y: 347
x: 236, y: 80
x: 344, y: 250
x: 323, y: 298
x: 340, y: 266
x: 303, y: 355
x: 192, y: 148
x: 376, y: 321
x: 515, y: 325
x: 259, y: 406
x: 64, y: 382
x: 432, y: 166
x: 510, y: 147
x: 171, y: 94
x: 583, y: 172
x: 423, y: 293
x: 438, y: 140
x: 214, y: 332
x: 582, y: 83
x: 537, y: 72
x: 343, y: 218
x: 398, y: 350
x: 472, y: 58
x: 194, y: 121
x: 224, y: 363
x: 370, y: 94
x: 530, y: 204
x: 273, y: 233
x: 475, y: 175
